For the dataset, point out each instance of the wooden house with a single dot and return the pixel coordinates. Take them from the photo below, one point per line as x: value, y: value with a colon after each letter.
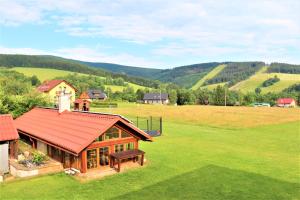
x: 8, y: 141
x: 156, y: 98
x: 286, y: 102
x: 54, y: 87
x: 82, y: 140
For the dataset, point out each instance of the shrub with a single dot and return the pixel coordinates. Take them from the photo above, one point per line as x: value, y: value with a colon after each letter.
x: 38, y: 158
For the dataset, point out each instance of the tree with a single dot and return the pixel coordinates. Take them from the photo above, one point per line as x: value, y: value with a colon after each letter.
x: 172, y: 96
x: 140, y: 94
x: 203, y: 96
x: 35, y: 81
x: 257, y: 90
x: 218, y: 96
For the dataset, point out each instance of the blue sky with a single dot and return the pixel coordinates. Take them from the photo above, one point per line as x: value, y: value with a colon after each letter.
x: 159, y: 34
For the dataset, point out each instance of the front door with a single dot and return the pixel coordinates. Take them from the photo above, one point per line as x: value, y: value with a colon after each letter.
x: 92, y: 159
x: 104, y: 156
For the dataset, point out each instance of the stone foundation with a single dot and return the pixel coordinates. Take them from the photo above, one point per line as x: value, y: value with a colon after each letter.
x: 20, y: 171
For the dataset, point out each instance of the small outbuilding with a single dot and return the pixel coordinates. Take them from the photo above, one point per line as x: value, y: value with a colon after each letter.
x: 8, y: 141
x: 82, y: 104
x: 156, y: 98
x: 286, y: 102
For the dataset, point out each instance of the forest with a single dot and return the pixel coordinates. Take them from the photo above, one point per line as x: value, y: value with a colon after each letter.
x: 284, y: 68
x: 235, y: 72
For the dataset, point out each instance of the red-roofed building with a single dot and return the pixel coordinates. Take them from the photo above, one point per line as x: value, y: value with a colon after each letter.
x: 286, y: 102
x: 82, y: 104
x: 80, y: 140
x: 54, y: 87
x: 8, y: 141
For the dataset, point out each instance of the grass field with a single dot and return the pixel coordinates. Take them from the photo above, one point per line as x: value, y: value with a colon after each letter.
x: 48, y: 74
x: 43, y: 74
x: 212, y: 86
x: 210, y: 75
x: 257, y: 79
x: 204, y: 153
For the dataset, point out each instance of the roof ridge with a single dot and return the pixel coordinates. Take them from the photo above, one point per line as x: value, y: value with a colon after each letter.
x: 88, y: 112
x: 101, y: 113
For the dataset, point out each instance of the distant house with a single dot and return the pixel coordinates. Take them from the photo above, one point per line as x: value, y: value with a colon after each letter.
x: 156, y: 98
x: 286, y: 102
x: 8, y: 141
x: 93, y: 95
x: 54, y: 87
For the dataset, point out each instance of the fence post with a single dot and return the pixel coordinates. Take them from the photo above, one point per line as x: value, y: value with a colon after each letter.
x: 160, y: 123
x: 151, y: 128
x: 147, y: 125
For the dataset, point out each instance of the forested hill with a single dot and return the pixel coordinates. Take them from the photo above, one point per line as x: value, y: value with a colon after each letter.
x: 123, y: 69
x: 189, y: 76
x: 54, y: 62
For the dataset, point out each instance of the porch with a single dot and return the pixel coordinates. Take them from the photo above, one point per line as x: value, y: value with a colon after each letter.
x: 105, y: 171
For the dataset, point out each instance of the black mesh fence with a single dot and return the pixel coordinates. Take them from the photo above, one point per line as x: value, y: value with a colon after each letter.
x: 151, y: 125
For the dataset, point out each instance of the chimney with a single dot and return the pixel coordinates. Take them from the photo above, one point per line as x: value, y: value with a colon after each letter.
x: 64, y: 102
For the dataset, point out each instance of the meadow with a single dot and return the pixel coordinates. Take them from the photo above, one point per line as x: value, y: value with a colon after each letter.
x: 257, y: 79
x: 205, y: 152
x: 48, y: 74
x: 208, y: 76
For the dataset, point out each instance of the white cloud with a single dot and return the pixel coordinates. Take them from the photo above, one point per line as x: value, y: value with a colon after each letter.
x: 176, y: 28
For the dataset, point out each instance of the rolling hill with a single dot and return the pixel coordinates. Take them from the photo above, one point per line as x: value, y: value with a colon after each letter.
x: 257, y: 79
x: 48, y: 74
x: 208, y: 76
x: 123, y: 69
x: 242, y: 76
x: 54, y: 62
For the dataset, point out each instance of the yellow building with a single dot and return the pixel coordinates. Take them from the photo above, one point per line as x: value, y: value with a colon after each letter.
x: 54, y: 87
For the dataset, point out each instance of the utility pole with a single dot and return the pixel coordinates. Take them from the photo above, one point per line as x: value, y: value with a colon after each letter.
x: 160, y: 96
x: 225, y: 97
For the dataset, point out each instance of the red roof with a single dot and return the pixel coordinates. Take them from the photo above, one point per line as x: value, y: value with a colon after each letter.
x: 73, y: 131
x: 46, y: 86
x: 285, y: 100
x: 7, y: 128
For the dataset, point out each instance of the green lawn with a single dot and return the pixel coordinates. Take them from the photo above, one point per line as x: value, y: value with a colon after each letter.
x: 191, y: 162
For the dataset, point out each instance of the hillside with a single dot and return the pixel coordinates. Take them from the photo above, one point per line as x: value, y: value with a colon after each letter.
x: 123, y: 69
x: 186, y: 76
x: 257, y: 79
x: 48, y: 74
x: 54, y: 62
x: 243, y: 76
x: 208, y: 76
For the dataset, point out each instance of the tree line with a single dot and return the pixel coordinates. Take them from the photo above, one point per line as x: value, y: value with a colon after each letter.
x: 235, y: 72
x: 284, y: 68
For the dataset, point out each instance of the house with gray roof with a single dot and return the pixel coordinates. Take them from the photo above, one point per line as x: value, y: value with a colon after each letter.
x: 156, y: 98
x: 93, y: 94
